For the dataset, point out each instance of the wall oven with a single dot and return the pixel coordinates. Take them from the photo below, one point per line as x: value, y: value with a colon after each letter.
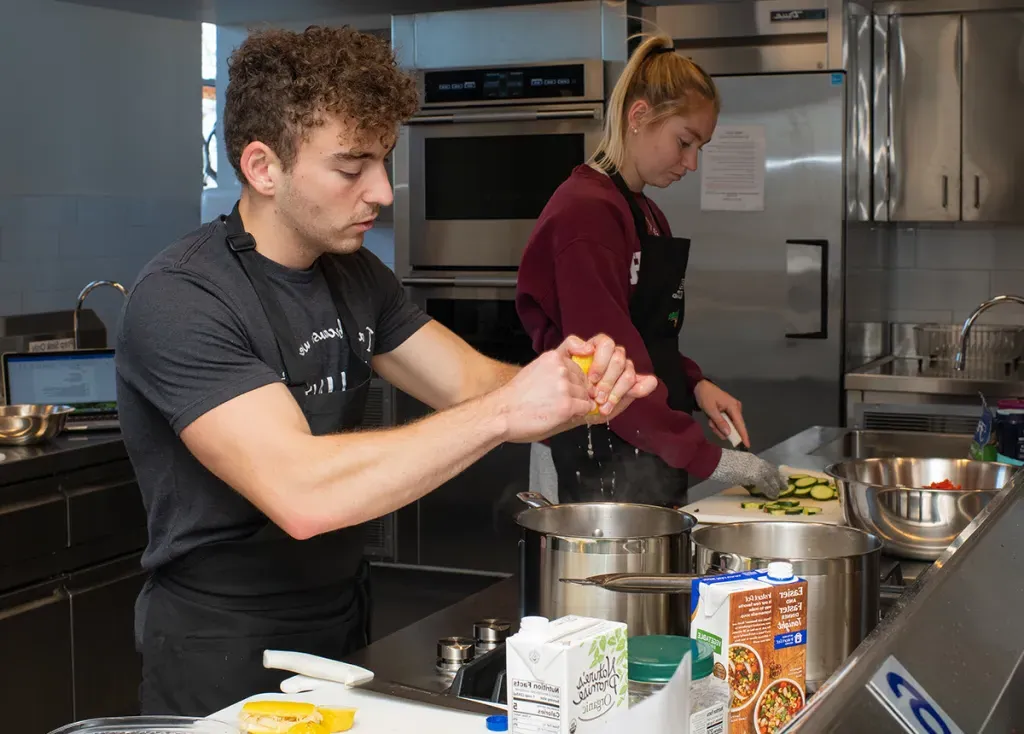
x: 475, y: 167
x: 472, y: 172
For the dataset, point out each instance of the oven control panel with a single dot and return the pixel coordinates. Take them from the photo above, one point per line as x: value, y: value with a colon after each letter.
x: 506, y: 83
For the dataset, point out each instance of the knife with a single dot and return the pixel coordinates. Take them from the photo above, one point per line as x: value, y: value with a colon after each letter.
x: 312, y: 669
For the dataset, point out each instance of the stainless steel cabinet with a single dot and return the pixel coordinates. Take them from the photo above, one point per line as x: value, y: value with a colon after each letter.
x: 993, y: 110
x: 955, y: 100
x: 924, y: 146
x: 35, y: 649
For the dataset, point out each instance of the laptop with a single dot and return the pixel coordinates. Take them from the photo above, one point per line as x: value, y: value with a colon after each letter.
x: 84, y: 379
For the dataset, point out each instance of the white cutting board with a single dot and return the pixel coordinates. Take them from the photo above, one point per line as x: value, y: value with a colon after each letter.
x: 724, y: 507
x: 377, y: 713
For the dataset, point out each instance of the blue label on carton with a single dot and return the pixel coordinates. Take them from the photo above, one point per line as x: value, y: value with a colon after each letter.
x: 791, y: 639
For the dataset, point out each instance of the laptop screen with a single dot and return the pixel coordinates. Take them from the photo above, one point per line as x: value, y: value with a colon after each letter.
x: 85, y: 380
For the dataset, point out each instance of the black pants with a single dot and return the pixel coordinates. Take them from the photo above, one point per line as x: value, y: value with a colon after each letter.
x: 199, y: 657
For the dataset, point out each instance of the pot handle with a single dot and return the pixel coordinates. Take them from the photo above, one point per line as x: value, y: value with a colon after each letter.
x: 638, y: 583
x: 724, y: 563
x: 534, y: 499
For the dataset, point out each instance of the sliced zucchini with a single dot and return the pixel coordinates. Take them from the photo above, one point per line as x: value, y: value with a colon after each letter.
x: 801, y: 491
x: 780, y: 511
x: 752, y: 490
x: 806, y: 482
x: 823, y: 492
x: 794, y: 510
x: 751, y: 505
x: 797, y: 476
x: 812, y: 510
x: 787, y: 503
x: 790, y: 489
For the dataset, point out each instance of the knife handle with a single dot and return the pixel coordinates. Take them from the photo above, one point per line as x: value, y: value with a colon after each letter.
x: 314, y: 666
x: 734, y: 435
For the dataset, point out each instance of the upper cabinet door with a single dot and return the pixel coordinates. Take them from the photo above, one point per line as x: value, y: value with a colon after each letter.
x: 993, y: 111
x: 924, y: 146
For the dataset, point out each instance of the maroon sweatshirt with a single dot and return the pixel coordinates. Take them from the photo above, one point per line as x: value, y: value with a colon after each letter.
x: 577, y: 275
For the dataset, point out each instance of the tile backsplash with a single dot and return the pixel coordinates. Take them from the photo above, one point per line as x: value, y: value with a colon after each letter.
x: 903, y: 274
x: 52, y: 246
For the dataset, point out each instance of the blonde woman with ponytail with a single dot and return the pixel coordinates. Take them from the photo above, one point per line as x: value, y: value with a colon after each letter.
x: 601, y: 259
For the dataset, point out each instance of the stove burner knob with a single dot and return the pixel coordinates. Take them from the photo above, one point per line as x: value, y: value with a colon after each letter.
x: 491, y: 631
x: 458, y: 650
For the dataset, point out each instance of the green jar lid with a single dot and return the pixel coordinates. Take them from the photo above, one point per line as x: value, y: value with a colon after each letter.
x: 655, y: 658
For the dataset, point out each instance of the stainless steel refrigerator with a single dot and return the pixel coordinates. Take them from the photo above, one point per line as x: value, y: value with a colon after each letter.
x: 764, y: 286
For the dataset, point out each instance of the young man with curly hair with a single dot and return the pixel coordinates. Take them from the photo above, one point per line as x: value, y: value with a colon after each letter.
x: 243, y: 362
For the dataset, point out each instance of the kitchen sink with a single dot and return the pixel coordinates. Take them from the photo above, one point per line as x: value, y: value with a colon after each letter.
x: 889, y: 444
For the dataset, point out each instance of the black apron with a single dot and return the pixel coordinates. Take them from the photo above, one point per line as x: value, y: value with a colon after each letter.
x: 211, y: 614
x: 593, y: 463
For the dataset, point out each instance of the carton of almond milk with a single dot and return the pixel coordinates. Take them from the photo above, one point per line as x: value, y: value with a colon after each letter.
x: 756, y: 622
x: 566, y: 676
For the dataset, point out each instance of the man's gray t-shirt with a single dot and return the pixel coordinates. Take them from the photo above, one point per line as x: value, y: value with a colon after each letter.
x: 194, y: 335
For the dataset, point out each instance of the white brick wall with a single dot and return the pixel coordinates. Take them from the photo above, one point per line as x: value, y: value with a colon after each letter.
x: 934, y: 273
x: 101, y: 156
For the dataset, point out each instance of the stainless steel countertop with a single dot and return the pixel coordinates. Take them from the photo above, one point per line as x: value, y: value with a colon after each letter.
x: 913, y: 375
x: 408, y: 656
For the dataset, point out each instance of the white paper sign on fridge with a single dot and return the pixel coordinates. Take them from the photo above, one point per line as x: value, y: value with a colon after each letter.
x: 732, y: 169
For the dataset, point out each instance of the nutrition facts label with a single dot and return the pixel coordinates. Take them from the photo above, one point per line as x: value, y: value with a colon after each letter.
x: 534, y: 708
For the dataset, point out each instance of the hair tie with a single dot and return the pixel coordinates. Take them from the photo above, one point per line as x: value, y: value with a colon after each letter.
x: 663, y: 50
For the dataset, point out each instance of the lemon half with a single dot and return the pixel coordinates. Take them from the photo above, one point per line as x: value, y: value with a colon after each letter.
x: 584, y: 364
x: 337, y: 719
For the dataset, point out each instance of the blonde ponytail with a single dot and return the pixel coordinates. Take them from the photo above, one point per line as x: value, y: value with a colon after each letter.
x: 667, y: 81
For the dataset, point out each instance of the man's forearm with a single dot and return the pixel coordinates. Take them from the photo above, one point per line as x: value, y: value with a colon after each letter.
x: 350, y: 478
x: 490, y: 376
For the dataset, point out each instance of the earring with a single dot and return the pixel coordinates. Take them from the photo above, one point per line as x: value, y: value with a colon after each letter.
x: 635, y: 131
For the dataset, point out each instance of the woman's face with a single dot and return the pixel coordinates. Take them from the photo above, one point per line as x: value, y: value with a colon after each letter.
x: 665, y: 151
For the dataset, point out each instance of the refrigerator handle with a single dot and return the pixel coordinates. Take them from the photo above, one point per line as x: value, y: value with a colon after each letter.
x: 802, y: 258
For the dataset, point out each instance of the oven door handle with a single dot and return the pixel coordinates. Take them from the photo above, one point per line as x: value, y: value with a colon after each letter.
x: 588, y: 113
x: 509, y: 282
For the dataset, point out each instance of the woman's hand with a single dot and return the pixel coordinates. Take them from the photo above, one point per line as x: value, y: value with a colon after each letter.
x: 714, y: 401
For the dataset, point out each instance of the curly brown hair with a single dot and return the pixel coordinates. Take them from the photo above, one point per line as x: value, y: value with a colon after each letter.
x: 281, y: 84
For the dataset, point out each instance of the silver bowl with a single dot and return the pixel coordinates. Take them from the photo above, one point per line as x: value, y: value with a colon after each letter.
x: 890, y: 498
x: 22, y: 425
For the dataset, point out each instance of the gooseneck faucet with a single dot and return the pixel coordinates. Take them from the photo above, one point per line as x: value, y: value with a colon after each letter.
x: 961, y: 352
x: 86, y: 291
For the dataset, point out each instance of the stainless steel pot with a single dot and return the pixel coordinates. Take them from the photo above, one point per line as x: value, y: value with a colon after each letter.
x: 841, y: 566
x: 889, y: 497
x: 588, y: 538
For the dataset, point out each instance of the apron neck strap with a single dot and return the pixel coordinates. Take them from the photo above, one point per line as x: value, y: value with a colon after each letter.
x: 639, y: 220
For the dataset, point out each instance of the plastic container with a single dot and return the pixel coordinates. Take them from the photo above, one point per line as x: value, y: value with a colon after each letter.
x: 148, y: 725
x: 1009, y: 429
x: 653, y: 660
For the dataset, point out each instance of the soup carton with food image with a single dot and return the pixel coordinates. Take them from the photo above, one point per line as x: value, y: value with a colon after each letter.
x: 756, y: 623
x: 566, y: 676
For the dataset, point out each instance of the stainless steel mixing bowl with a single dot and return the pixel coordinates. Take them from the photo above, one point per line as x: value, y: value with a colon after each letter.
x: 889, y: 498
x: 21, y: 425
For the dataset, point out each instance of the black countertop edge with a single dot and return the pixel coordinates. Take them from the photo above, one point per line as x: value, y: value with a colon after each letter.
x: 66, y: 452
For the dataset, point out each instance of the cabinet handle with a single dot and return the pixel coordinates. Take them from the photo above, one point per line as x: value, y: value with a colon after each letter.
x: 945, y: 192
x: 977, y: 192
